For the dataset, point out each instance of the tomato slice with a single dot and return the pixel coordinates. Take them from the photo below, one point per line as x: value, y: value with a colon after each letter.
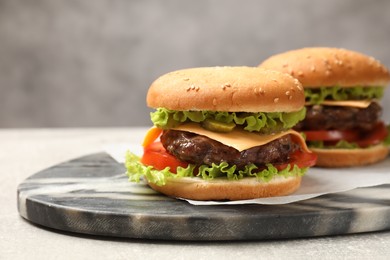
x: 379, y: 134
x: 155, y: 155
x: 331, y: 135
x: 362, y: 139
x: 301, y: 159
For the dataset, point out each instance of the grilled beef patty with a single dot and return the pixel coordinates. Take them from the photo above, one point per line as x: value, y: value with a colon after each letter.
x: 341, y: 118
x: 198, y: 149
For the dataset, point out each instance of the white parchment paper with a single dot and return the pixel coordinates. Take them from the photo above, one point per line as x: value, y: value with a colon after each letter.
x: 316, y: 182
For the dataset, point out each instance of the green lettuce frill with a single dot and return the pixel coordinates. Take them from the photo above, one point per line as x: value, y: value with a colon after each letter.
x: 387, y: 140
x: 344, y: 144
x: 339, y: 145
x: 136, y: 170
x: 261, y: 122
x: 318, y: 95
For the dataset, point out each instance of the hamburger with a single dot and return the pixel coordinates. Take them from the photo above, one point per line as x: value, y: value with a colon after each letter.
x: 343, y: 88
x: 223, y: 133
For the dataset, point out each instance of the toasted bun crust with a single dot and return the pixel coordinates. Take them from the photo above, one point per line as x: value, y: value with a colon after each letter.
x: 333, y: 158
x: 231, y: 89
x: 321, y: 67
x: 247, y: 188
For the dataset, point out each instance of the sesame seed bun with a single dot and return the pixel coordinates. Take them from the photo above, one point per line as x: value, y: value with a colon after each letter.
x: 350, y: 157
x: 247, y: 188
x: 231, y: 89
x: 321, y: 67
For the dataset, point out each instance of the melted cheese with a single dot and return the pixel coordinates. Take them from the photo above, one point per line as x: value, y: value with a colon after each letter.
x: 241, y: 139
x: 347, y: 103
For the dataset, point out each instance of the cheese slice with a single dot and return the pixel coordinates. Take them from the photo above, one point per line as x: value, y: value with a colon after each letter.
x: 241, y: 139
x: 346, y: 103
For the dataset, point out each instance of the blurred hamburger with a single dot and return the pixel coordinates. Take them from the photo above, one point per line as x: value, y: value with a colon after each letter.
x: 343, y: 124
x: 223, y: 133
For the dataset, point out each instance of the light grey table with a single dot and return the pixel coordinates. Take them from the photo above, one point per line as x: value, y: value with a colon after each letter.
x: 25, y: 152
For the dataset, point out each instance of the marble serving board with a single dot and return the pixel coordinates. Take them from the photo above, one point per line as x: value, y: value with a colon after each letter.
x: 91, y: 195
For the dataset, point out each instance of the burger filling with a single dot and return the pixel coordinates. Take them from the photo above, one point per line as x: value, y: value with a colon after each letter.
x: 201, y: 150
x: 333, y: 123
x: 227, y: 145
x: 342, y: 118
x: 176, y: 153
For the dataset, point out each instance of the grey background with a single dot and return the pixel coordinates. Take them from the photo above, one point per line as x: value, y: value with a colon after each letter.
x: 89, y: 63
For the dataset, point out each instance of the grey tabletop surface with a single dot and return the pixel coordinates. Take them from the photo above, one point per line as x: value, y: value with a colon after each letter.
x: 27, y: 151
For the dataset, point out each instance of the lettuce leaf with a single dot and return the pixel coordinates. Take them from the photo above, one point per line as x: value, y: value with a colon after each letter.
x: 136, y: 170
x: 318, y: 95
x: 261, y: 122
x: 387, y: 140
x: 339, y: 145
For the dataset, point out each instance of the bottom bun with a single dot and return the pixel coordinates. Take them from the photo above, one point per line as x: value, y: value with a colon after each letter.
x: 350, y: 157
x: 247, y: 188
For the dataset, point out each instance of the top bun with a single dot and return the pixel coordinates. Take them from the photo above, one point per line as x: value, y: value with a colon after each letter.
x: 325, y: 67
x: 230, y: 89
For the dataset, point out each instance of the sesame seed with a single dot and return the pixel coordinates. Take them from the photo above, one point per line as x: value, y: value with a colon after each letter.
x: 197, y: 89
x: 188, y: 89
x: 290, y: 97
x: 226, y: 85
x: 214, y: 101
x: 193, y: 87
x: 308, y: 57
x: 327, y: 73
x: 285, y: 65
x: 276, y: 100
x: 288, y: 93
x: 291, y: 71
x: 313, y: 68
x: 300, y: 73
x: 186, y: 79
x: 258, y: 91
